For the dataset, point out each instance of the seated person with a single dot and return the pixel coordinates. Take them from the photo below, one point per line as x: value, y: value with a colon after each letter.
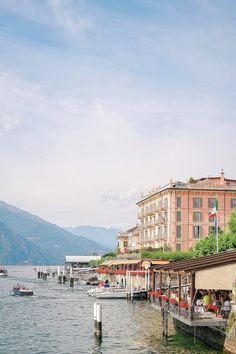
x: 206, y: 300
x: 106, y: 284
x: 226, y: 308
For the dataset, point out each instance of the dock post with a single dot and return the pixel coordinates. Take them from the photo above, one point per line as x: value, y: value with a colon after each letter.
x: 38, y: 274
x: 99, y: 320
x: 63, y: 277
x: 131, y: 289
x: 164, y: 313
x: 71, y: 277
x: 59, y: 279
x: 95, y: 317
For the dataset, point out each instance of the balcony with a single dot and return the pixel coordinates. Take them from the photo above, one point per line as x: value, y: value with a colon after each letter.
x: 151, y: 210
x: 150, y: 223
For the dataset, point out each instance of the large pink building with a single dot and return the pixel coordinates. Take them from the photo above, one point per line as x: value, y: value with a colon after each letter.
x: 177, y: 214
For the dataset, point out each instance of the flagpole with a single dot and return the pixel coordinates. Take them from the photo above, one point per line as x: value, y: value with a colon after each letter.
x: 217, y: 221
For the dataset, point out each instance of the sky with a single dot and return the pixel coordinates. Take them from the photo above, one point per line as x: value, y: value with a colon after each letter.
x: 102, y: 100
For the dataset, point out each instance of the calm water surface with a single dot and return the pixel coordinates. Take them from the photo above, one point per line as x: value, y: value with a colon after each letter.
x: 59, y: 319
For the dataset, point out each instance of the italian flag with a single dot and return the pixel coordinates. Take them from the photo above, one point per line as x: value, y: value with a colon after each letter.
x: 214, y: 210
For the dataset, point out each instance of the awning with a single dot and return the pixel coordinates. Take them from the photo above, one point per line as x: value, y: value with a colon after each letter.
x: 159, y: 262
x: 107, y: 263
x: 124, y: 261
x: 221, y: 278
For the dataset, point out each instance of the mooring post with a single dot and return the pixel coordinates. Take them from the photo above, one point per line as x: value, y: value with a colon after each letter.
x: 71, y: 278
x: 95, y: 317
x: 131, y: 289
x: 164, y: 312
x: 99, y: 320
x: 63, y: 277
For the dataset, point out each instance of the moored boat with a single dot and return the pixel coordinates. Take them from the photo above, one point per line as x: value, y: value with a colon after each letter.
x: 21, y: 290
x: 120, y: 294
x: 3, y: 273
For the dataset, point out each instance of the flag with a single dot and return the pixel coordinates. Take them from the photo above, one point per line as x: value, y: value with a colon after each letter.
x: 214, y: 210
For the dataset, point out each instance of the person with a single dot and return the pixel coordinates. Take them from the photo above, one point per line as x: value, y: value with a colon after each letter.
x: 226, y: 308
x: 198, y: 297
x: 206, y: 299
x: 106, y: 284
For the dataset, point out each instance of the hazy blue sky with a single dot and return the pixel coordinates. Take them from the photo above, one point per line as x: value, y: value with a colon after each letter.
x: 101, y: 100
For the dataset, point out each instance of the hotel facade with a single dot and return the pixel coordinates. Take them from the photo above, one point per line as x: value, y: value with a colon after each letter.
x: 176, y: 215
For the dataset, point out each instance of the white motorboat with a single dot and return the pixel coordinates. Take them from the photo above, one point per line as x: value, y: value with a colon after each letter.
x: 21, y: 290
x: 119, y: 293
x: 3, y: 273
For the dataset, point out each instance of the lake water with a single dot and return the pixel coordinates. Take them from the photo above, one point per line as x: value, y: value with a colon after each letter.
x: 59, y: 319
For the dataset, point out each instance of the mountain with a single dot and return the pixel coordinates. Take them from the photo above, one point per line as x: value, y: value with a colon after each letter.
x: 103, y: 236
x: 15, y: 249
x: 49, y: 240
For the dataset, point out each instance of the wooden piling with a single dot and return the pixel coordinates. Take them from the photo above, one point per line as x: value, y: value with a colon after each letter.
x: 164, y: 312
x: 71, y: 282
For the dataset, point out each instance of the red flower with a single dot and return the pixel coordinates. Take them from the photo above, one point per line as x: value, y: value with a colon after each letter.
x: 183, y: 305
x: 165, y: 298
x: 173, y: 301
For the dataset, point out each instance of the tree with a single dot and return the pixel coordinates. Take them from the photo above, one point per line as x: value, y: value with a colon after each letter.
x: 232, y: 222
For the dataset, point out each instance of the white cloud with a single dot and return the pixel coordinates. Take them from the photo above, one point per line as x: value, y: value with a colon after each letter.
x: 9, y: 121
x: 121, y: 200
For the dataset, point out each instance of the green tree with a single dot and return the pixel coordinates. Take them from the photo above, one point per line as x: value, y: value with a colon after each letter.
x: 232, y: 222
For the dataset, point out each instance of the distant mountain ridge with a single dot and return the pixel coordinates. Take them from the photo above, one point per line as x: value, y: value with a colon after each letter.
x: 102, y: 235
x: 44, y: 243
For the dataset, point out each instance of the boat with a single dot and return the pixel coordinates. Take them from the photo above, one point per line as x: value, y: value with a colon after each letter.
x: 120, y: 294
x: 3, y: 273
x: 116, y: 292
x: 21, y: 290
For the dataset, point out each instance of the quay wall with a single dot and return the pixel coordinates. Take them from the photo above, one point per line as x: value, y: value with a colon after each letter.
x: 211, y: 336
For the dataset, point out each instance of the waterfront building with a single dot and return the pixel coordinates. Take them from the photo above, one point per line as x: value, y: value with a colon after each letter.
x: 79, y: 261
x: 180, y: 286
x: 129, y: 241
x: 176, y: 216
x: 122, y: 242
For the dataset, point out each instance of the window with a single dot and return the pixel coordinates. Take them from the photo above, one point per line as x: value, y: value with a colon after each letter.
x: 178, y: 231
x: 165, y: 231
x: 178, y: 246
x: 211, y: 203
x: 197, y: 216
x: 179, y: 202
x: 165, y: 217
x: 233, y: 203
x: 196, y: 231
x: 178, y: 216
x: 165, y: 203
x: 197, y: 202
x: 125, y: 244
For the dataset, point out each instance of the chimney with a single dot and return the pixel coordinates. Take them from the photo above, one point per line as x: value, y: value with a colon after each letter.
x: 222, y: 177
